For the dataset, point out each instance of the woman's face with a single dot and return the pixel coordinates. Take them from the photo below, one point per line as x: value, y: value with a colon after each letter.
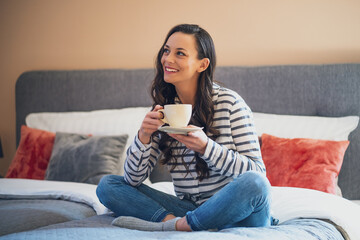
x: 180, y: 59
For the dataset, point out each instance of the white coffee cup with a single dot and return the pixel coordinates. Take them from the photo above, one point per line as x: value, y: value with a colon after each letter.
x: 177, y: 115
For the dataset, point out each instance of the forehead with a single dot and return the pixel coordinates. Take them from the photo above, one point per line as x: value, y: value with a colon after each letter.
x: 182, y: 40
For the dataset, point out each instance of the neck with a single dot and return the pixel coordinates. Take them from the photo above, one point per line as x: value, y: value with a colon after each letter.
x: 186, y: 93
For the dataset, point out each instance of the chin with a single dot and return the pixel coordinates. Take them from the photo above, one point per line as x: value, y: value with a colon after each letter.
x: 169, y: 80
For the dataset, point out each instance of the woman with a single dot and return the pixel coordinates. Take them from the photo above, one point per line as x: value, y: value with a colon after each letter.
x: 218, y: 173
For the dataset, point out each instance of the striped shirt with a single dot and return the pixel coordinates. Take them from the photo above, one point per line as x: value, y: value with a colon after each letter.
x: 235, y: 151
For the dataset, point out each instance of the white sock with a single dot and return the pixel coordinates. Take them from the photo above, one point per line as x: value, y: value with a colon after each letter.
x: 139, y: 224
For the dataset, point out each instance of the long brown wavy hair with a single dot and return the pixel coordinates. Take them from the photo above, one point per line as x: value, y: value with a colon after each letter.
x: 203, y: 111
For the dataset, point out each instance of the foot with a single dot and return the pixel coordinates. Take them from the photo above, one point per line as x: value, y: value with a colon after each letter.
x: 139, y: 224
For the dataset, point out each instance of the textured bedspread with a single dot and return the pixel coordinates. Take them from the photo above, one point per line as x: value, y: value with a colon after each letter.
x: 298, y: 211
x: 18, y: 215
x: 98, y: 227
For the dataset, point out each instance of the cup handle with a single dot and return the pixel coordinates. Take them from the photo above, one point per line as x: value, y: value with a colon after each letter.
x: 164, y: 120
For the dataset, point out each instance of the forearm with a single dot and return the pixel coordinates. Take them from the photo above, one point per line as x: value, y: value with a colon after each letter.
x: 232, y: 162
x: 139, y: 162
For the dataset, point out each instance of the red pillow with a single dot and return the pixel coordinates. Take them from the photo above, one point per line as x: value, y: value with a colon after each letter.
x: 301, y: 162
x: 33, y: 154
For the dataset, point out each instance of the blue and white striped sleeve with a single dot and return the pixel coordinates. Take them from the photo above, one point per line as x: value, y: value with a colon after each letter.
x: 140, y: 161
x: 247, y: 156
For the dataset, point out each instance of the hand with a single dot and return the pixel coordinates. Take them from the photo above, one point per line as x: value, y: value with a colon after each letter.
x: 195, y: 141
x: 150, y: 124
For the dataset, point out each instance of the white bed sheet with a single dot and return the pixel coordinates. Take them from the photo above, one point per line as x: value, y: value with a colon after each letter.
x: 76, y: 192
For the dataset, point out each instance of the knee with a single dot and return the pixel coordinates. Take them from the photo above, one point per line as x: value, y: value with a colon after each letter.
x: 106, y: 186
x: 254, y: 182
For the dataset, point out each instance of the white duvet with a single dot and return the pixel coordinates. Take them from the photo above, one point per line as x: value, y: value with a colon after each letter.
x: 288, y: 203
x: 76, y: 192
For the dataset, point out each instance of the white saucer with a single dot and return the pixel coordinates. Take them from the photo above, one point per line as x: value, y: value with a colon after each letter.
x: 179, y: 130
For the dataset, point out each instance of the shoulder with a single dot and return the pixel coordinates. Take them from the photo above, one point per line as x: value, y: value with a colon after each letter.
x: 226, y: 95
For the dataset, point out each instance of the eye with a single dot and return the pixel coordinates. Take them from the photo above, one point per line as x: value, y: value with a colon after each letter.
x: 180, y: 53
x: 166, y: 51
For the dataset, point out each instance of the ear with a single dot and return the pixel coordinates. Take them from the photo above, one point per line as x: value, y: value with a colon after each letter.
x: 204, y: 64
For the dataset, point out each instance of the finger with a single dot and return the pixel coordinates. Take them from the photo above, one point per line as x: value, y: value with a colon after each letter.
x: 153, y: 121
x: 155, y: 115
x: 148, y: 130
x: 195, y: 134
x: 152, y: 124
x: 181, y: 138
x: 150, y: 120
x: 172, y: 135
x: 162, y: 116
x: 157, y: 108
x: 178, y: 136
x: 175, y: 136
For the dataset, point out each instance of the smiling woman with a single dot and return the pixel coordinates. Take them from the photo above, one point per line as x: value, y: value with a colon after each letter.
x: 87, y: 34
x: 181, y: 63
x: 207, y: 166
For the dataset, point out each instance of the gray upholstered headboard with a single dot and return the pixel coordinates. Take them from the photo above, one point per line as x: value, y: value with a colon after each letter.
x: 318, y: 90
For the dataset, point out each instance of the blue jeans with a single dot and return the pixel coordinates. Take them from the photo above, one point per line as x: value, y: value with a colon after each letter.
x: 244, y: 202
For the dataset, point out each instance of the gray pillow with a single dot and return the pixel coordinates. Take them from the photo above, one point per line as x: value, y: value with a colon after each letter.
x: 83, y: 158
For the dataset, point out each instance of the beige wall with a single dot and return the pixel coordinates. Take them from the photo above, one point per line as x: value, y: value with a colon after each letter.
x: 88, y: 34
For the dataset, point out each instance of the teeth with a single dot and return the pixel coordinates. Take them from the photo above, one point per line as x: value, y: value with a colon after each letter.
x: 171, y: 70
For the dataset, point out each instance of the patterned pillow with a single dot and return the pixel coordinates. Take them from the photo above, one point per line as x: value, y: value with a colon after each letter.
x: 301, y: 162
x: 33, y: 154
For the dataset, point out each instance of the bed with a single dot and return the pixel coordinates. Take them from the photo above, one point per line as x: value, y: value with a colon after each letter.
x: 73, y: 127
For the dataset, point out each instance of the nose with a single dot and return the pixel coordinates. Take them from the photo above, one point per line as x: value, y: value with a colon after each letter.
x: 169, y: 58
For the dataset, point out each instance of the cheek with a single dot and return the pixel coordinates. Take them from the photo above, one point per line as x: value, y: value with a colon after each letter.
x: 192, y: 66
x: 162, y: 60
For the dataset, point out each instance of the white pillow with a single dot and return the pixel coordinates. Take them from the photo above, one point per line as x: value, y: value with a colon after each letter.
x: 98, y: 123
x: 291, y: 126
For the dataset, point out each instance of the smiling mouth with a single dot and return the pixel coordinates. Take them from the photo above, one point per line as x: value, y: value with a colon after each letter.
x: 171, y: 70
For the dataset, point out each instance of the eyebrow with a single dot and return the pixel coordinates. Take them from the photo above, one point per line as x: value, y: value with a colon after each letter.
x: 183, y: 49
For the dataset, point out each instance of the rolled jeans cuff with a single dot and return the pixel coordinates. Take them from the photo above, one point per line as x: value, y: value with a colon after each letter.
x: 159, y: 215
x: 193, y: 222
